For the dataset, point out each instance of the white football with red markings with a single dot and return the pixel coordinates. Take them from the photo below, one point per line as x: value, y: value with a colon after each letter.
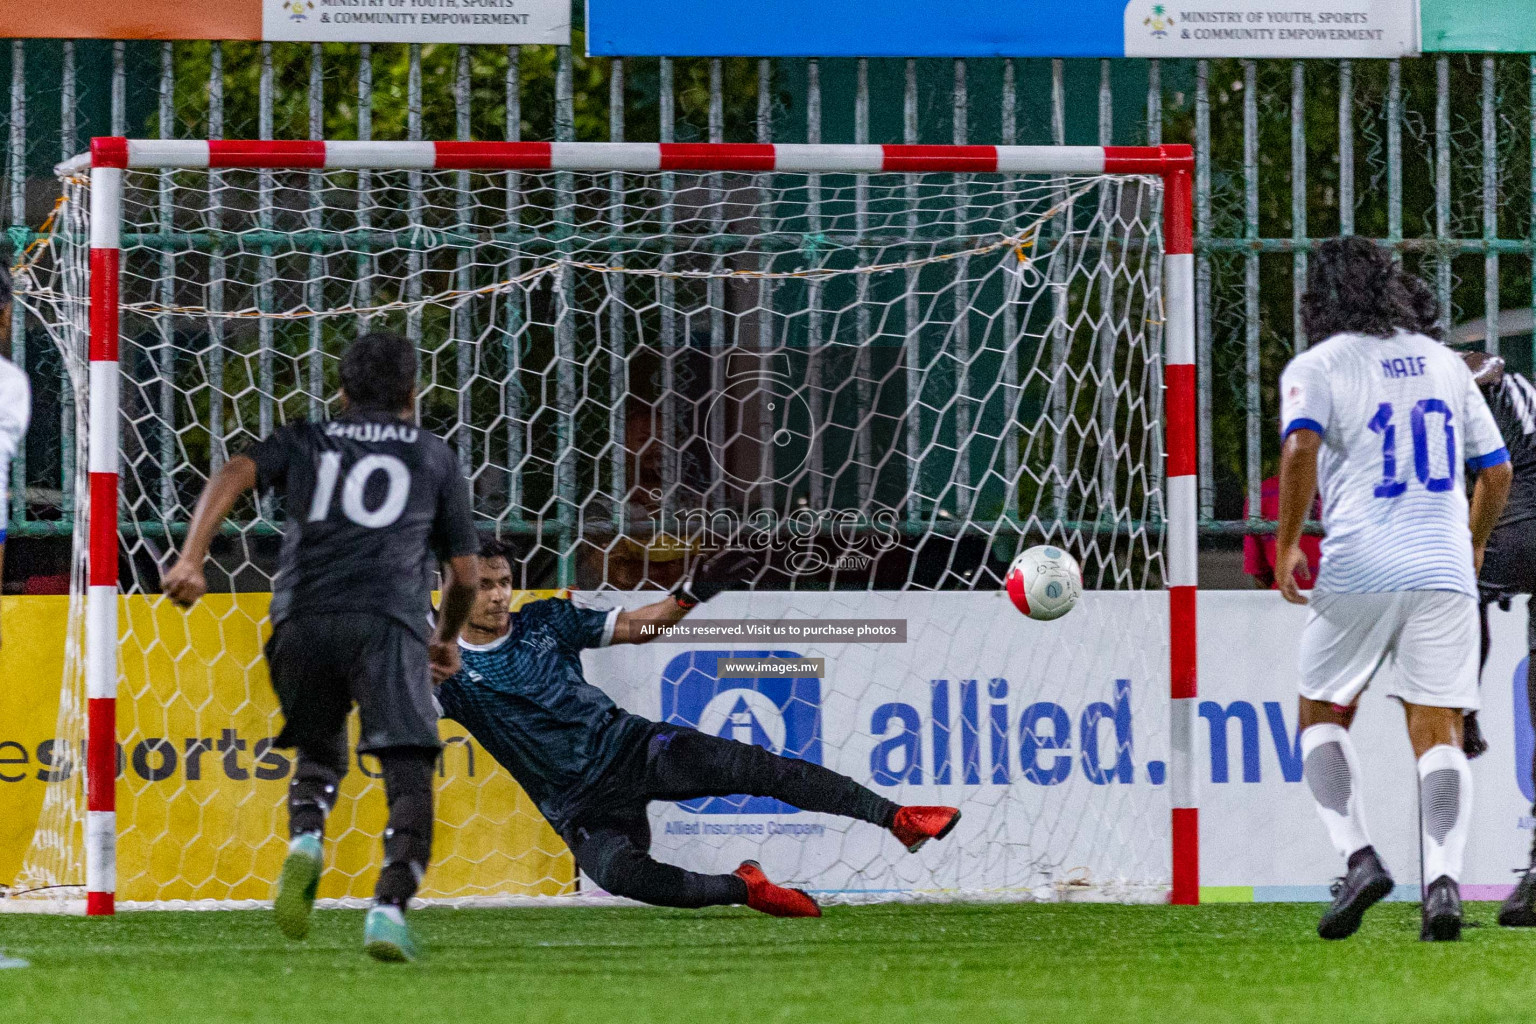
x: 1044, y: 582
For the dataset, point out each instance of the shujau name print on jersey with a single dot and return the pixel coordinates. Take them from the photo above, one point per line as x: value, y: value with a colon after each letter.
x: 372, y: 432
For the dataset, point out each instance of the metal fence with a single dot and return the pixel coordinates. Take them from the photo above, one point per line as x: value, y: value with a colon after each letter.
x: 1434, y: 156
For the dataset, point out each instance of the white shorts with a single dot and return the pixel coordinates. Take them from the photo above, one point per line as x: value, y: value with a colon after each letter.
x: 1431, y: 636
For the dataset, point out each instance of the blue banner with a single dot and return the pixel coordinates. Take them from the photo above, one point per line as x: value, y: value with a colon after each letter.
x: 1008, y: 28
x: 855, y: 28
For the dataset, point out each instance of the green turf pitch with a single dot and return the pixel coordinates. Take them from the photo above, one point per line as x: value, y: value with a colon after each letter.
x: 896, y: 964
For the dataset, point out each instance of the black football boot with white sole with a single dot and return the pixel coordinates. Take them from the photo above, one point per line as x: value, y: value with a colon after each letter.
x: 1365, y: 884
x: 1442, y: 911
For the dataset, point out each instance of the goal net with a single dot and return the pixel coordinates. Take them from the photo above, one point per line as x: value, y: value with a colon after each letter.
x: 890, y: 369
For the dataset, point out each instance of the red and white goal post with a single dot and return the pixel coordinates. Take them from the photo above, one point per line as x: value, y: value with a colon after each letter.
x: 1161, y: 472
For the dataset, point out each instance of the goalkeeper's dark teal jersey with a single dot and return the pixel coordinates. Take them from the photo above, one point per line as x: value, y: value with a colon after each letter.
x: 525, y: 699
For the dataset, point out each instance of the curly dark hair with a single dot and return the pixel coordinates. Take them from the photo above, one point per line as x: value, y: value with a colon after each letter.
x: 1426, y: 306
x: 1353, y: 286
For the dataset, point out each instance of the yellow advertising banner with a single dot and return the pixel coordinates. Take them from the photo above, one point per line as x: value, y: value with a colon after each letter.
x: 200, y: 791
x: 31, y: 668
x: 320, y: 21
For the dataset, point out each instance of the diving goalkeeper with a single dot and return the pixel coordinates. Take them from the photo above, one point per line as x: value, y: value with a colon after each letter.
x: 592, y: 767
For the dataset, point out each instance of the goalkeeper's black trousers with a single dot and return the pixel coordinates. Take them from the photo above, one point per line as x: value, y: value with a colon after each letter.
x: 611, y: 835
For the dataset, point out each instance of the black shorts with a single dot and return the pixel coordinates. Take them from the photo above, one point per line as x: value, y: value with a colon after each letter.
x: 1509, y: 563
x: 322, y: 664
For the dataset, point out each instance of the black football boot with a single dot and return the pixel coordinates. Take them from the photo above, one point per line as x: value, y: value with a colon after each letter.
x: 1366, y: 883
x: 1519, y: 908
x: 1442, y: 911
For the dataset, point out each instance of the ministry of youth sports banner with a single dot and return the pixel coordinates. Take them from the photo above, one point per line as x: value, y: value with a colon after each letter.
x: 1052, y: 738
x: 500, y: 22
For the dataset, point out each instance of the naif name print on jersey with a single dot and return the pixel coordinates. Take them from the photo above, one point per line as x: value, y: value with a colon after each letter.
x: 1413, y: 366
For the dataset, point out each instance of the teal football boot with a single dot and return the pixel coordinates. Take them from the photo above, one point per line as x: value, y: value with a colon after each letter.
x: 387, y: 937
x: 297, y: 884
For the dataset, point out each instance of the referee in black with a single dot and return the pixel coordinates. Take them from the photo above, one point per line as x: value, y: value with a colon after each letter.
x: 1509, y: 564
x: 1509, y: 561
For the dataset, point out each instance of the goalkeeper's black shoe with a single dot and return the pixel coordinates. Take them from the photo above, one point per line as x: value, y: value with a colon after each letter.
x: 1366, y: 883
x: 1519, y: 908
x: 1442, y: 911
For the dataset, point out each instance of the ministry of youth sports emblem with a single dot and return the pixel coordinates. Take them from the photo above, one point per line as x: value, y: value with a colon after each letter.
x: 1159, y: 21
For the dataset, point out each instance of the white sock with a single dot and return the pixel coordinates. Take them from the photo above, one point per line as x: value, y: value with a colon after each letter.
x: 1330, y: 767
x: 1445, y: 796
x: 390, y: 911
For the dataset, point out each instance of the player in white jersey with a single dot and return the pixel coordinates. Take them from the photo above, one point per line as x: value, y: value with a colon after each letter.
x: 15, y: 409
x: 1387, y: 420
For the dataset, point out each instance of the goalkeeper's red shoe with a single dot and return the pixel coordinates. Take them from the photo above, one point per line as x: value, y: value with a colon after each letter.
x: 914, y: 826
x: 774, y: 900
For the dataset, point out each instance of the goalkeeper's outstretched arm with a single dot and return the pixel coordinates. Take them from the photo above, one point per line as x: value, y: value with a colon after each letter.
x: 644, y: 624
x: 720, y: 571
x: 184, y: 582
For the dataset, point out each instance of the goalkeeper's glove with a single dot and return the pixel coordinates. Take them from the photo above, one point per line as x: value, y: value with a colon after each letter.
x: 720, y: 571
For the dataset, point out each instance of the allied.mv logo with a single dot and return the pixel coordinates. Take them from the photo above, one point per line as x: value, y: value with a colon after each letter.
x: 781, y: 715
x: 746, y: 716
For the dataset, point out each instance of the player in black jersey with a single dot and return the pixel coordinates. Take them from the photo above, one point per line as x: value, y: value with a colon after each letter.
x: 1509, y: 560
x: 592, y: 767
x: 374, y: 505
x: 1509, y: 565
x: 1426, y: 308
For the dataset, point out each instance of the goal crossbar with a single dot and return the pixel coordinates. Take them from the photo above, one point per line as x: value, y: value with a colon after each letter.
x: 639, y: 157
x: 110, y: 157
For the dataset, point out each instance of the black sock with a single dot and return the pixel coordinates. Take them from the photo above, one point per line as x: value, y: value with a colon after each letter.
x: 1533, y: 837
x: 1359, y: 855
x: 396, y: 885
x: 312, y: 794
x: 617, y: 857
x: 408, y: 839
x: 662, y: 885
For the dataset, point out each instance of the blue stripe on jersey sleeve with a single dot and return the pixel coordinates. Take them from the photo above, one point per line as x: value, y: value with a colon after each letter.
x: 1301, y: 423
x: 1494, y: 458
